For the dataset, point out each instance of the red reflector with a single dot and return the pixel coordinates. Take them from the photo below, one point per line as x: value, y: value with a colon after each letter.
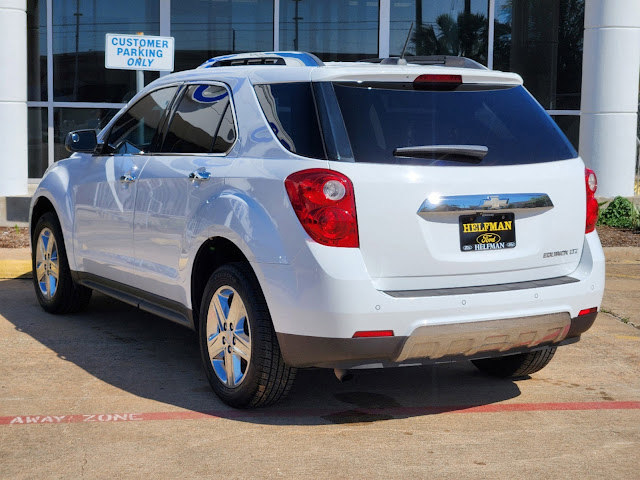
x: 373, y: 333
x: 439, y: 78
x: 587, y: 311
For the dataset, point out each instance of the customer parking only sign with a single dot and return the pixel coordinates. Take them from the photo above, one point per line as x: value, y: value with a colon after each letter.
x: 139, y: 52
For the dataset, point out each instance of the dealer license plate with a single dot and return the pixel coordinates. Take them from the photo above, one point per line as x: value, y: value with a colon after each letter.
x: 487, y: 231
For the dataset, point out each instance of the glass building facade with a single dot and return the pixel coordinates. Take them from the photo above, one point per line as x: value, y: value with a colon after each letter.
x: 69, y: 88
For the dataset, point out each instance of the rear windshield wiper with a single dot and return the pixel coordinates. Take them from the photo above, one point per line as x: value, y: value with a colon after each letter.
x: 453, y: 153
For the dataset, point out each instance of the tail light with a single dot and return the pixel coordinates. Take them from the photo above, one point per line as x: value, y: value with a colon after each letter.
x: 325, y: 205
x: 591, y: 184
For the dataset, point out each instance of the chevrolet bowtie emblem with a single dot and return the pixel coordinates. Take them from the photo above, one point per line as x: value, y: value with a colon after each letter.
x: 494, y: 202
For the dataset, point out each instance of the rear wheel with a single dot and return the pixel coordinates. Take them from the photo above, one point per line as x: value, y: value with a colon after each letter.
x: 238, y: 344
x: 54, y: 286
x: 518, y: 365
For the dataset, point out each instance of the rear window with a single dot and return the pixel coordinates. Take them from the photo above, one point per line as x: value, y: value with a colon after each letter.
x: 509, y: 122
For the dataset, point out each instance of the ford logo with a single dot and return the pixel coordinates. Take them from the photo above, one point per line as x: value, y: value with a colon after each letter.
x: 488, y: 238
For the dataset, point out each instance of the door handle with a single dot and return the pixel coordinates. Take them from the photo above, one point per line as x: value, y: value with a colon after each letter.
x: 200, y: 174
x: 127, y: 178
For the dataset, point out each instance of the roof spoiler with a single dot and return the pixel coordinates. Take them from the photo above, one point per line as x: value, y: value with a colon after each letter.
x: 443, y: 60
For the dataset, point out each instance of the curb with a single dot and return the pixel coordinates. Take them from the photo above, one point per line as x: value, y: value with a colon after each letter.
x: 10, y: 269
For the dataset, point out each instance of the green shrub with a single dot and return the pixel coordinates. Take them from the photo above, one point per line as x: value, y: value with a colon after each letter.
x: 620, y: 213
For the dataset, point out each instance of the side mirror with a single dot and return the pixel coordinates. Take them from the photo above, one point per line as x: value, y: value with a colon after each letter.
x: 81, y: 141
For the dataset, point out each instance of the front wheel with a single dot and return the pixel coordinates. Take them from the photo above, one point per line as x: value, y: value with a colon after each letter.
x: 238, y: 344
x: 518, y: 365
x: 54, y: 286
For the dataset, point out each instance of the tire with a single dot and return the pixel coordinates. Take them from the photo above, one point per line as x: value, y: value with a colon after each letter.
x: 54, y: 286
x: 238, y: 345
x: 519, y: 365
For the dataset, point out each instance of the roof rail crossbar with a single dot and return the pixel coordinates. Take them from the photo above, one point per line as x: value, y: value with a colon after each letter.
x: 300, y: 59
x: 233, y: 62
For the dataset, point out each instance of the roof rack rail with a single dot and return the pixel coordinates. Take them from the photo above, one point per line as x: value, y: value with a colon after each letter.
x: 444, y: 60
x: 298, y: 59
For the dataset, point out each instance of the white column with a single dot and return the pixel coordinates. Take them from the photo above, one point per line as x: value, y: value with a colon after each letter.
x: 276, y: 25
x: 384, y: 28
x: 165, y: 24
x: 492, y: 33
x: 610, y: 71
x: 13, y: 97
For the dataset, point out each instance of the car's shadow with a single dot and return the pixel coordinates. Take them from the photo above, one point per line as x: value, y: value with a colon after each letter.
x: 152, y: 358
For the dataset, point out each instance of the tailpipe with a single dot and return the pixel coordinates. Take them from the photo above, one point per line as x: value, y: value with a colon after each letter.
x: 342, y: 375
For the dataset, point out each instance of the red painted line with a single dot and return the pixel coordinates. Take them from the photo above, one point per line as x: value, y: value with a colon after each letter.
x: 558, y: 406
x: 315, y: 412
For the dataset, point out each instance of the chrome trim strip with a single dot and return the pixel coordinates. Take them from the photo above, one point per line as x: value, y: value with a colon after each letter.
x: 503, y: 287
x: 436, y: 204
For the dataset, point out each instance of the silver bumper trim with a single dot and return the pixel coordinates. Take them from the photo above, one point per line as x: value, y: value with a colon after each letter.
x: 473, y: 338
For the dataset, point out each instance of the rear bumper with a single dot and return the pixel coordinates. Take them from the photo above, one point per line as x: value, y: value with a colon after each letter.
x: 437, y: 343
x: 320, y: 302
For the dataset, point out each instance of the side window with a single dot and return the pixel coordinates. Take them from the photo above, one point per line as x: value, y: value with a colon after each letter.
x: 202, y: 123
x: 135, y: 130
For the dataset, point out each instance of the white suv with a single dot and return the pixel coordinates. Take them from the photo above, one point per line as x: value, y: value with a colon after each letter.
x: 347, y: 215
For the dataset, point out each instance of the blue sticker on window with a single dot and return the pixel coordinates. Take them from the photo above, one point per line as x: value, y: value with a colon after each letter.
x: 199, y: 94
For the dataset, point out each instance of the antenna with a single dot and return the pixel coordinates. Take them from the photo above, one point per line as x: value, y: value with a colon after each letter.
x: 407, y: 40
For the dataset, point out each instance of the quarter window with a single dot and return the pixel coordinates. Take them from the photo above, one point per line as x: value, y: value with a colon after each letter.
x: 202, y: 123
x: 291, y: 113
x: 136, y: 129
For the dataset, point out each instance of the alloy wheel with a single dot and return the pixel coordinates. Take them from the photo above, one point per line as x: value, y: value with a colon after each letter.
x: 228, y: 337
x: 47, y: 263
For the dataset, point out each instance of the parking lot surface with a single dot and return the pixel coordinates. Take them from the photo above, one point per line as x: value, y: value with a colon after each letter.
x: 118, y: 393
